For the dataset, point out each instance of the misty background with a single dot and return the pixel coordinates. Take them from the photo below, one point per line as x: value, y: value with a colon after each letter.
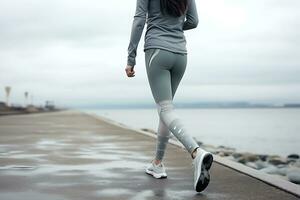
x: 74, y: 52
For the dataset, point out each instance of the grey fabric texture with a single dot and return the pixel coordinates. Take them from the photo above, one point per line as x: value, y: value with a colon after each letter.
x: 165, y: 70
x: 163, y: 31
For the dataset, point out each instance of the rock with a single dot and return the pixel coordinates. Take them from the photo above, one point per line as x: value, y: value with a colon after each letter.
x: 224, y: 153
x: 263, y: 157
x: 293, y: 175
x: 276, y: 170
x: 241, y: 160
x: 293, y: 156
x: 230, y: 158
x: 277, y: 160
x: 221, y: 153
x: 273, y: 156
x: 251, y: 157
x: 226, y: 148
x: 296, y: 164
x: 261, y: 164
x: 210, y: 148
x: 237, y: 155
x: 282, y: 171
x: 291, y: 161
x: 270, y: 170
x: 251, y: 164
x: 247, y: 157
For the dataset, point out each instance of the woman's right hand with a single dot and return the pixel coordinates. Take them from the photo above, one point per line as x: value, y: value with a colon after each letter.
x: 130, y: 71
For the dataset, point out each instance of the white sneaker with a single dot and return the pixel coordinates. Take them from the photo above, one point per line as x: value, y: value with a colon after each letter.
x: 157, y: 171
x: 202, y: 163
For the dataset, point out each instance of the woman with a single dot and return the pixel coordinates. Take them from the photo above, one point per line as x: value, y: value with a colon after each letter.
x: 166, y: 59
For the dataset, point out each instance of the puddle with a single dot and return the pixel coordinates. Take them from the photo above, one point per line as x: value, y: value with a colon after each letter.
x: 18, y: 167
x: 7, y: 153
x: 143, y: 195
x: 5, y: 147
x: 113, y: 192
x: 116, y: 153
x: 48, y: 144
x: 23, y: 156
x: 30, y: 195
x: 180, y: 194
x: 97, y: 170
x: 57, y: 184
x: 108, y: 169
x: 71, y: 172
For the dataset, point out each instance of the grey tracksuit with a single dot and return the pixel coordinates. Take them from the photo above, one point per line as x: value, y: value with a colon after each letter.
x: 166, y: 59
x: 164, y: 32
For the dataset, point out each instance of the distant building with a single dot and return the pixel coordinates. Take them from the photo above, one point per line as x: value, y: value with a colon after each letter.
x: 50, y: 105
x: 3, y: 106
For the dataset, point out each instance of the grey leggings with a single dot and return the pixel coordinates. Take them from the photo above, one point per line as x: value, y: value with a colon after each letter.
x: 165, y: 70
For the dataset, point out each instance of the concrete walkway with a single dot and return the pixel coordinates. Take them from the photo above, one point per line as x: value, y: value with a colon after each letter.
x: 71, y: 155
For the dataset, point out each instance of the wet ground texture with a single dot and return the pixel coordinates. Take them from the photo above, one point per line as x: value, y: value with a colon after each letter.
x: 71, y: 155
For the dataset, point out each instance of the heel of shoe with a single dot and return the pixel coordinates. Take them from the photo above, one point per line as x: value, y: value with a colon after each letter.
x: 208, y: 160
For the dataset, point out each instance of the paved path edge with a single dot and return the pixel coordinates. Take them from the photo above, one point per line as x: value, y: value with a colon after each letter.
x: 269, y: 179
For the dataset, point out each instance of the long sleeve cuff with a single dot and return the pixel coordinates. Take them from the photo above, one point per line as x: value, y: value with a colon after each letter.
x: 131, y: 61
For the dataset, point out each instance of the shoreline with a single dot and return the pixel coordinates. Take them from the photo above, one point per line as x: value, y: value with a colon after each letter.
x: 24, y: 112
x: 181, y: 107
x: 272, y: 169
x: 28, y: 109
x: 286, y: 168
x: 261, y: 133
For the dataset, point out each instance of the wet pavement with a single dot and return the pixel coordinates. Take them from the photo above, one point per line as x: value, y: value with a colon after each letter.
x: 71, y: 155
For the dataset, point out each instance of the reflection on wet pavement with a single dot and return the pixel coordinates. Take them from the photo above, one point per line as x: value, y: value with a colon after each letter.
x: 75, y: 156
x: 60, y: 157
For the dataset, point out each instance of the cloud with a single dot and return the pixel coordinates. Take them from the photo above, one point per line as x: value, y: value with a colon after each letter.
x: 74, y: 52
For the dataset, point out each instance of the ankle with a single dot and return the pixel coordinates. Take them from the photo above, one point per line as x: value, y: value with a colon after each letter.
x: 194, y: 153
x: 156, y: 162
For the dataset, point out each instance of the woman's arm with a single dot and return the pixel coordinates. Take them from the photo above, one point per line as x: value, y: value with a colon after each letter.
x: 136, y: 30
x: 191, y: 16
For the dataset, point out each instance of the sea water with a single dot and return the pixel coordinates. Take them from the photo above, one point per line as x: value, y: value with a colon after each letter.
x: 257, y: 130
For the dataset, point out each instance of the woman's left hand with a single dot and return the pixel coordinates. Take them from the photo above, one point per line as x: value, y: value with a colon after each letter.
x: 130, y: 71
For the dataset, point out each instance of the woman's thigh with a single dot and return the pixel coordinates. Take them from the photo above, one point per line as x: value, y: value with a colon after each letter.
x: 178, y: 71
x: 158, y: 64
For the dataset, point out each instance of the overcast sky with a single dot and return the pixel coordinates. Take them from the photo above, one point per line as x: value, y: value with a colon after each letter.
x: 74, y: 52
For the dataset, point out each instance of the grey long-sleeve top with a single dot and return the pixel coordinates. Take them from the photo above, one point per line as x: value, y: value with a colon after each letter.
x: 163, y: 31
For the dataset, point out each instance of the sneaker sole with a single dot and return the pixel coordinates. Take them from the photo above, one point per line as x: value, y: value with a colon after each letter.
x: 204, y: 178
x: 158, y: 176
